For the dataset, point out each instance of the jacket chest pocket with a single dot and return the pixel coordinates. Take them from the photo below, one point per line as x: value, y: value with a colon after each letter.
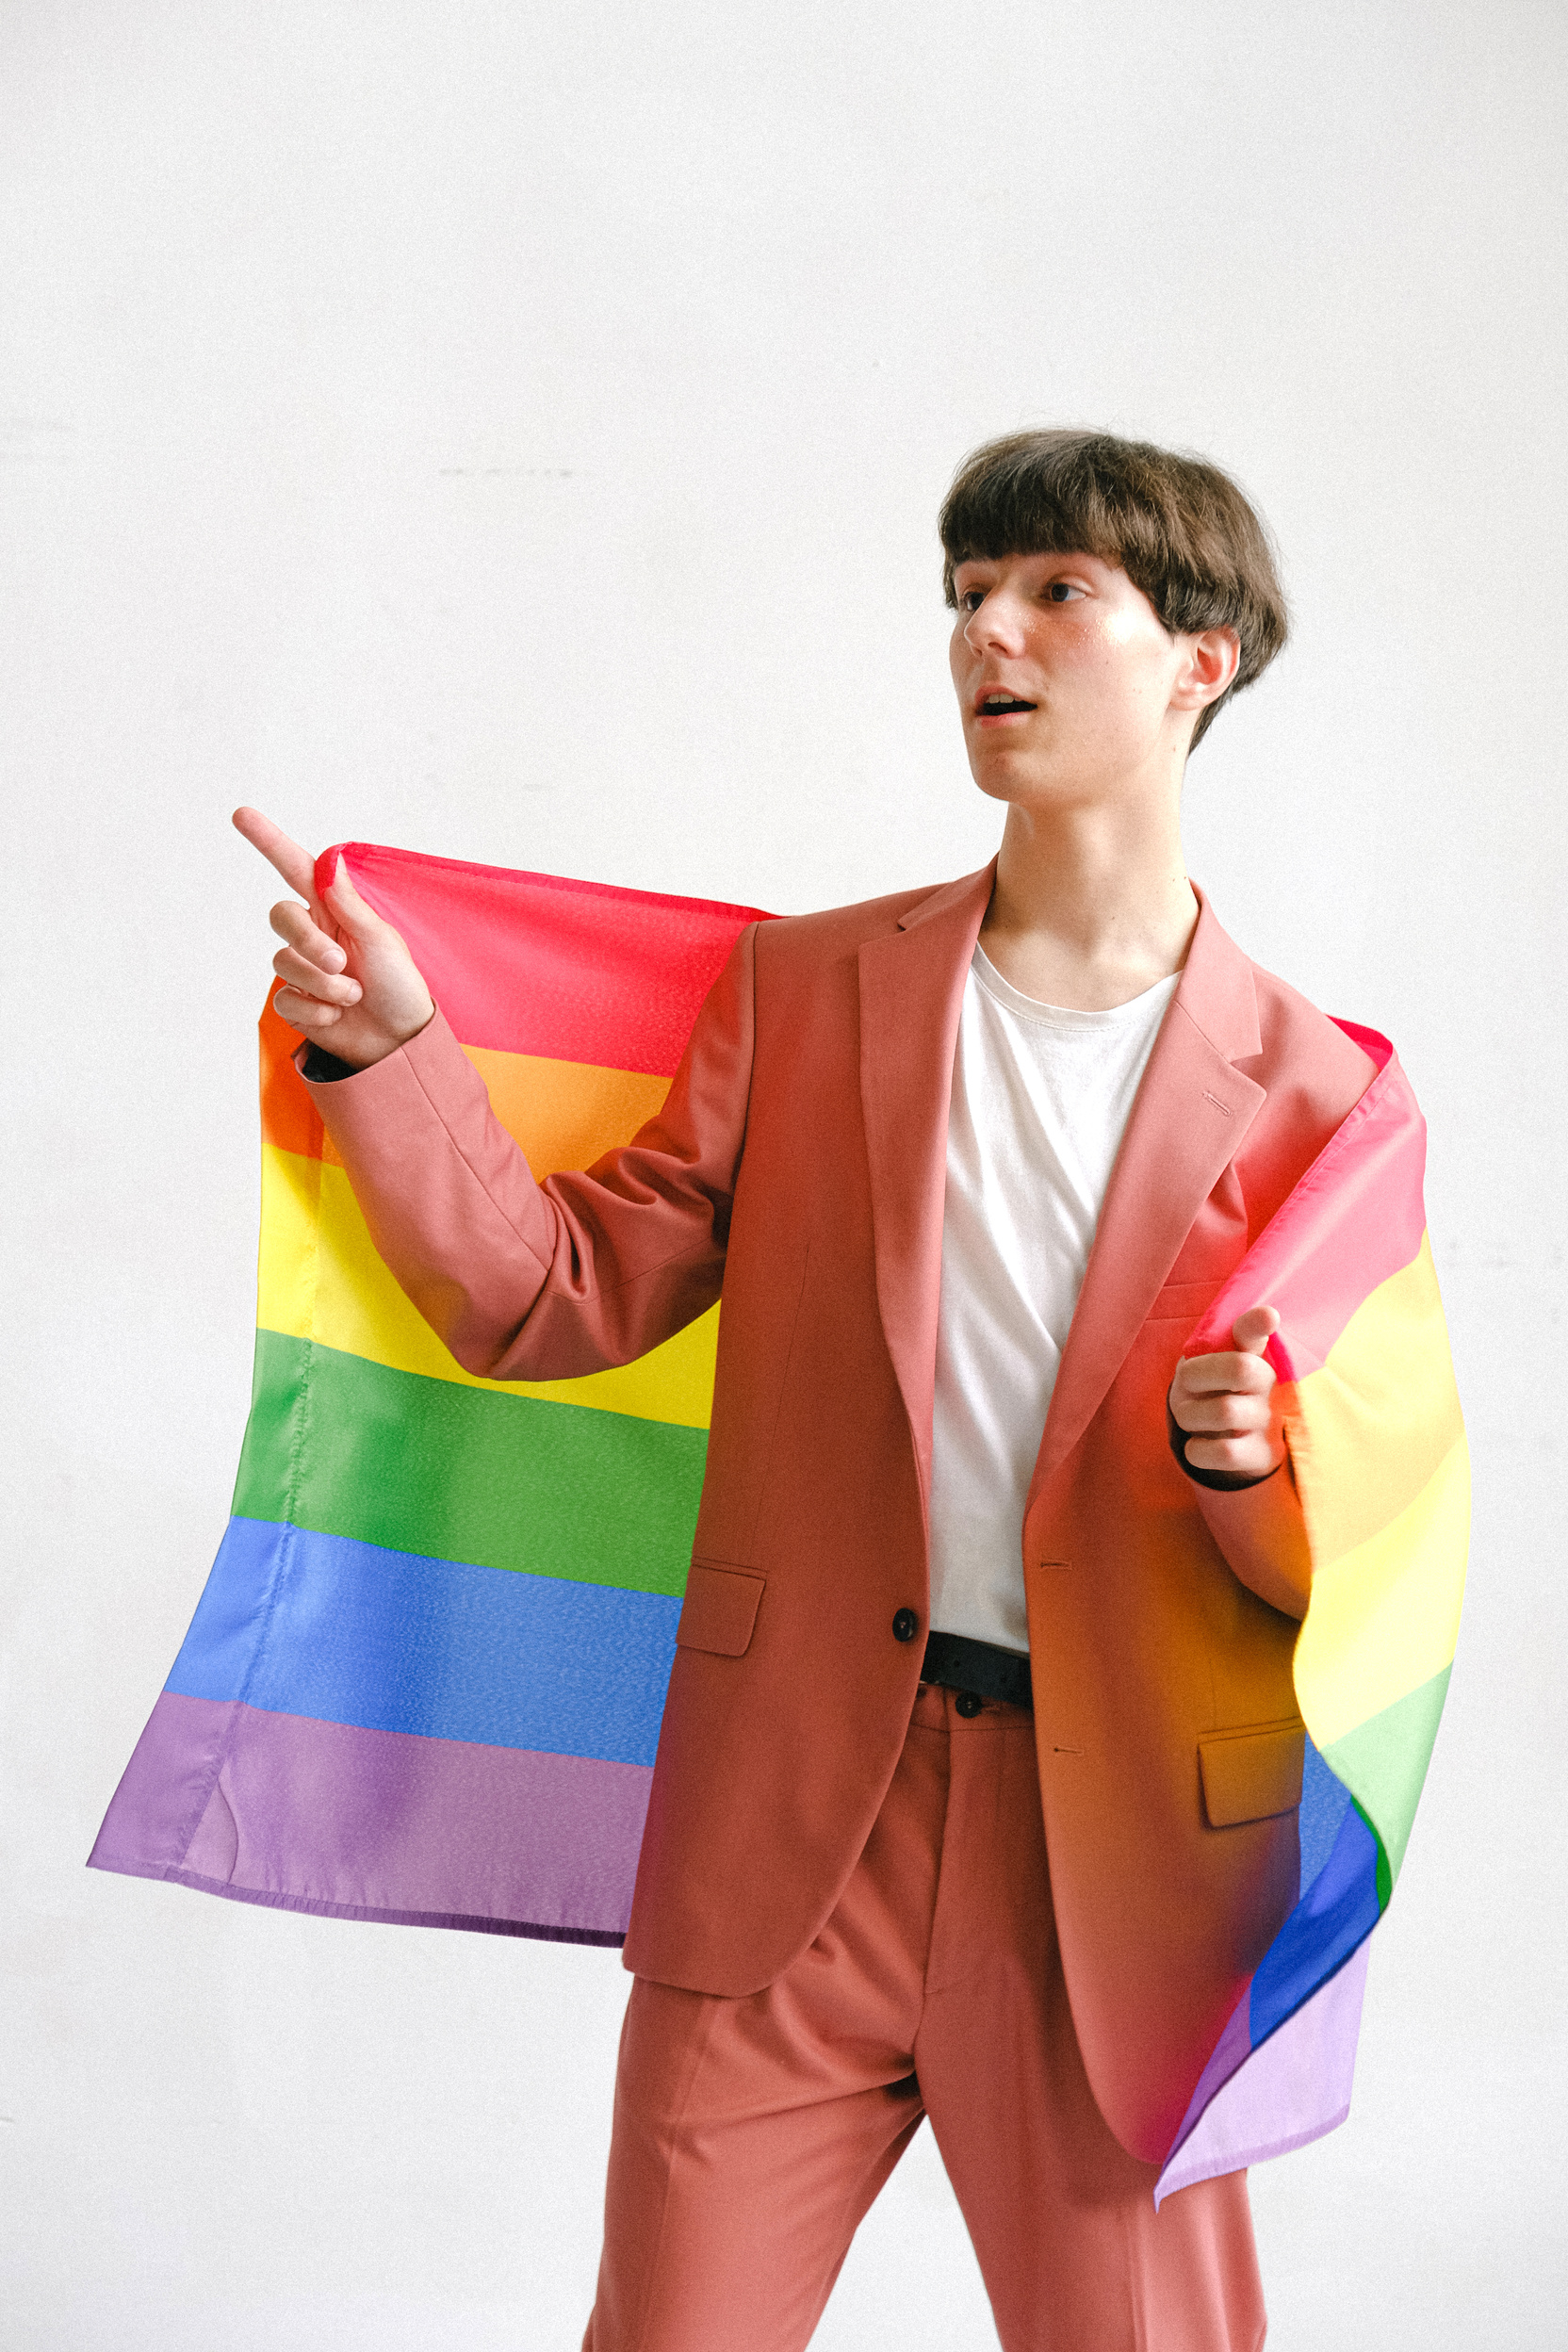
x: 1182, y: 1302
x: 720, y: 1608
x: 1252, y: 1774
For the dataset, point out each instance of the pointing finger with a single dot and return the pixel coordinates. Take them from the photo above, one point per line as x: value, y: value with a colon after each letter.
x: 294, y: 863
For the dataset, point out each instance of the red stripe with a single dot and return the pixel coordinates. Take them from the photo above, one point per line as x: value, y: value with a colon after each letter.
x: 530, y: 963
x: 1371, y: 1041
x: 1355, y: 1219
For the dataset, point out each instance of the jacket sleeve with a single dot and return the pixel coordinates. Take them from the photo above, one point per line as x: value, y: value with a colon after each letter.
x: 534, y: 1281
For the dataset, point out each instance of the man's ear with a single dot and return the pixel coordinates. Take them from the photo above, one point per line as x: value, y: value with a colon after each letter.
x: 1214, y: 656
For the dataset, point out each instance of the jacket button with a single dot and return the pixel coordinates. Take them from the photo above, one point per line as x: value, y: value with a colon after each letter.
x: 969, y: 1703
x: 906, y: 1625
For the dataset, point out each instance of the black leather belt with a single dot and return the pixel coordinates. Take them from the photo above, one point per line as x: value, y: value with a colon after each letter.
x: 981, y: 1667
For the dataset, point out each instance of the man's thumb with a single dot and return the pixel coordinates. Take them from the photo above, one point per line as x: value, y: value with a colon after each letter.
x: 335, y: 889
x: 1251, y: 1332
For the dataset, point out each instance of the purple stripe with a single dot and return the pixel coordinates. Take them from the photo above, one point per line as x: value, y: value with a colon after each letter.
x: 307, y: 1816
x: 1292, y: 2089
x: 1232, y: 2049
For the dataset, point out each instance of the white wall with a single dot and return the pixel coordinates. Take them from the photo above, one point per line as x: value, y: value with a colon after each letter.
x: 516, y: 432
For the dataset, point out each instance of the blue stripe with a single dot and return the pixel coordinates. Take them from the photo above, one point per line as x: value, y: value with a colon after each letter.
x: 302, y: 1624
x: 1324, y: 1802
x: 1338, y: 1912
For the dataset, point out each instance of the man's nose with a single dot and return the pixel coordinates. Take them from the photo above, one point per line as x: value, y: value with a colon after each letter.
x: 996, y: 626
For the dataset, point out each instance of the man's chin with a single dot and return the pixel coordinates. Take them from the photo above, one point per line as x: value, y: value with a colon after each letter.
x: 1009, y: 775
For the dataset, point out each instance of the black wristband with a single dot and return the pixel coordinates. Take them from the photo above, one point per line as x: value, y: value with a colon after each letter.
x: 1218, y: 1481
x: 324, y: 1068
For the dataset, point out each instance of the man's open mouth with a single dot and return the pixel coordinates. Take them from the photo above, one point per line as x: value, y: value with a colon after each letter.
x: 998, y: 706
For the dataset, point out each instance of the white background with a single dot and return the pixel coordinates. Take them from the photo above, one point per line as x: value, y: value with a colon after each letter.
x: 516, y: 434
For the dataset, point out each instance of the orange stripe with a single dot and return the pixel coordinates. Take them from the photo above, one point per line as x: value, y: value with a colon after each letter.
x: 562, y: 1114
x: 288, y: 1116
x: 565, y: 1113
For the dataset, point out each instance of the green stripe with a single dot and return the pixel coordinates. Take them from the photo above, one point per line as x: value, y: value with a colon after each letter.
x: 1383, y: 1763
x: 347, y: 1448
x: 1385, y: 1880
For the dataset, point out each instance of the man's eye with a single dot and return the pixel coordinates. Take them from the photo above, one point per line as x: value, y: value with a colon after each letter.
x: 1062, y: 591
x: 971, y: 599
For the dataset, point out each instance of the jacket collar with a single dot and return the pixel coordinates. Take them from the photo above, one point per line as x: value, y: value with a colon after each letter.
x: 967, y: 898
x: 1192, y: 1110
x: 912, y: 993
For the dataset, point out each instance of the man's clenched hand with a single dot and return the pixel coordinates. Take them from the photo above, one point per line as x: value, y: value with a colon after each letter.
x: 1225, y: 1402
x: 350, y: 984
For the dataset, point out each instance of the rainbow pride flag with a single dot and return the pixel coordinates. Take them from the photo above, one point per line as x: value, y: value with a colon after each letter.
x: 425, y: 1679
x: 1378, y: 1449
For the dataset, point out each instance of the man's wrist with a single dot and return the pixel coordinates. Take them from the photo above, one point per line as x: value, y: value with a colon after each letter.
x: 321, y: 1066
x: 323, y: 1069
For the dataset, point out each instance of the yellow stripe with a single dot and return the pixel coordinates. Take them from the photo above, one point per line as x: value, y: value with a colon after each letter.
x: 359, y: 1308
x: 1384, y: 1617
x: 1368, y: 1431
x: 562, y: 1114
x: 286, y: 1274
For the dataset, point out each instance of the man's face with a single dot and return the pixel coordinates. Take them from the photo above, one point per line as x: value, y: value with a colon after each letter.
x: 1065, y: 675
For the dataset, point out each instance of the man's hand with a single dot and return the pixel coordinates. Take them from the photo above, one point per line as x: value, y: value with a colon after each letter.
x: 1226, y: 1402
x: 350, y: 984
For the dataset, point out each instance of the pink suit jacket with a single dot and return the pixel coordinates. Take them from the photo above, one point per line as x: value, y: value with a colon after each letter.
x: 799, y: 1162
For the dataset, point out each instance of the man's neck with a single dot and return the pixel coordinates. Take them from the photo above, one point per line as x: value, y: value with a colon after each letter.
x: 1090, y: 908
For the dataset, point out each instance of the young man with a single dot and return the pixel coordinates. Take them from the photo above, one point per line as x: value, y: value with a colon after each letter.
x: 980, y: 1560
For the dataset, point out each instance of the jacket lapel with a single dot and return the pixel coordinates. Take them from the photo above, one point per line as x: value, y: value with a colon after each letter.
x: 1190, y: 1113
x: 911, y: 992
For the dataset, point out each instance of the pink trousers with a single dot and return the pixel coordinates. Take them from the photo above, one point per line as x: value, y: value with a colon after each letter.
x: 751, y: 2136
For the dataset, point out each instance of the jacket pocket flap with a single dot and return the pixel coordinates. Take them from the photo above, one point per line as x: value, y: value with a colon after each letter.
x: 1250, y: 1775
x: 1182, y: 1302
x: 720, y: 1608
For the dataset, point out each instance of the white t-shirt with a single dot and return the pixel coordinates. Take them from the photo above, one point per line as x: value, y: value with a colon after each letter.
x: 1040, y: 1096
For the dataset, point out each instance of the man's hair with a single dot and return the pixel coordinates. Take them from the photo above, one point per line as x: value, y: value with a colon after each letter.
x: 1178, y: 528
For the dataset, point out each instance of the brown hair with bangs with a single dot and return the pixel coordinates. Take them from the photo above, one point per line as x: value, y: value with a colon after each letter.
x: 1178, y: 528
